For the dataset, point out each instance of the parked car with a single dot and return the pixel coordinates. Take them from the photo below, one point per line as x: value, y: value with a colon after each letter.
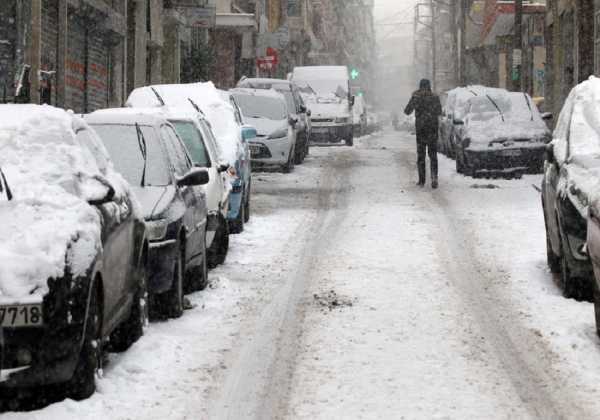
x: 276, y: 130
x: 501, y: 134
x: 73, y: 252
x: 455, y: 102
x: 326, y: 91
x: 200, y: 142
x: 226, y: 123
x: 296, y: 108
x: 570, y: 183
x: 148, y: 152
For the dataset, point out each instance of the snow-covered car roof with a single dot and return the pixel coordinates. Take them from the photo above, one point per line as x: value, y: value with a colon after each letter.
x: 49, y: 158
x: 142, y: 116
x: 218, y: 111
x: 262, y: 83
x: 265, y: 93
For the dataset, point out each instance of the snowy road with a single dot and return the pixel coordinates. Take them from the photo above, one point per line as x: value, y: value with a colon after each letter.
x: 354, y: 294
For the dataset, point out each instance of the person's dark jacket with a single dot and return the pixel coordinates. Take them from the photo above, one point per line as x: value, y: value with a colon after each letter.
x: 427, y: 108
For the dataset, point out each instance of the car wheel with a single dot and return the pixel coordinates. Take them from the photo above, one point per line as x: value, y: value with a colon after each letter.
x: 217, y: 253
x: 552, y: 259
x: 569, y: 284
x: 83, y: 383
x: 289, y: 165
x: 247, y: 207
x: 299, y: 155
x: 173, y: 299
x: 197, y: 277
x: 237, y: 226
x: 133, y: 327
x: 350, y: 140
x: 459, y: 165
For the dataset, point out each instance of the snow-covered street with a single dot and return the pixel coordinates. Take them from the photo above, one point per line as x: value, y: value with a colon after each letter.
x: 353, y: 293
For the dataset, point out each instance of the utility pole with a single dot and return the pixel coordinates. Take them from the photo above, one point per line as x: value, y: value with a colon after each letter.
x: 433, y: 46
x: 462, y: 49
x: 518, y: 41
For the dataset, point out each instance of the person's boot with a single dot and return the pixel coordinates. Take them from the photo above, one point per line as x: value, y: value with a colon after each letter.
x: 420, y: 183
x: 434, y: 183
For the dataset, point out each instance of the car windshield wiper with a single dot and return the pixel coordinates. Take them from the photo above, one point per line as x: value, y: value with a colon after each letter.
x: 160, y: 99
x: 528, y: 105
x: 497, y: 107
x: 143, y: 150
x: 196, y: 107
x: 9, y: 195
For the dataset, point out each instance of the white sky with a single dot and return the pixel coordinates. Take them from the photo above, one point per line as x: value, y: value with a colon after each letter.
x: 391, y: 11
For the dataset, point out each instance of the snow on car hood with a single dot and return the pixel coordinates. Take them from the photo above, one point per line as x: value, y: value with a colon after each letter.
x: 265, y: 126
x: 219, y: 112
x: 490, y: 134
x: 47, y: 224
x: 154, y: 200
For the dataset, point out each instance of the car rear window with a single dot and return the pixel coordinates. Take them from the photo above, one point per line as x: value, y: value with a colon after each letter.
x: 121, y: 142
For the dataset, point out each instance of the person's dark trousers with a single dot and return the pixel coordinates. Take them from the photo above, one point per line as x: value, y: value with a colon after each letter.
x: 427, y: 148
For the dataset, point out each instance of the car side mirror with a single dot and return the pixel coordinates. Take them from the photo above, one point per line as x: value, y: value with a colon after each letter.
x: 248, y: 133
x: 550, y: 158
x: 546, y: 116
x: 308, y: 112
x: 194, y: 178
x: 293, y: 121
x: 303, y: 109
x: 97, y: 190
x: 223, y: 167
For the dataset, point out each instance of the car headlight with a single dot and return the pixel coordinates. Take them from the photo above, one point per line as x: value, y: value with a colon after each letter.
x: 342, y: 120
x: 278, y: 134
x: 466, y: 142
x: 156, y: 229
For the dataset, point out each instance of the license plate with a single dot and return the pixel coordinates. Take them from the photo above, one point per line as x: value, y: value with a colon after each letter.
x: 320, y: 130
x: 21, y: 316
x: 511, y: 152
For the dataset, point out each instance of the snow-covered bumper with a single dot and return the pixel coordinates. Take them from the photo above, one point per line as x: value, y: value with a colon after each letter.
x: 329, y: 131
x: 524, y: 159
x: 267, y: 151
x: 46, y: 354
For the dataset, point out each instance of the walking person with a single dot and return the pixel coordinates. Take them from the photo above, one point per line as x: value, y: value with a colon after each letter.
x: 427, y: 108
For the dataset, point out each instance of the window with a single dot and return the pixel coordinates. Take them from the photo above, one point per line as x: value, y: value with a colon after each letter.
x: 194, y: 142
x: 293, y: 8
x: 121, y: 141
x: 176, y: 151
x: 91, y: 143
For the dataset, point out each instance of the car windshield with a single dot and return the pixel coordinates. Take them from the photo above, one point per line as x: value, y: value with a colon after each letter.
x: 324, y: 86
x: 121, y: 142
x: 193, y: 142
x: 255, y: 106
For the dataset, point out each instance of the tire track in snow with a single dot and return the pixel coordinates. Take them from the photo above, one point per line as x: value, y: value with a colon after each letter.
x: 527, y: 374
x: 258, y: 383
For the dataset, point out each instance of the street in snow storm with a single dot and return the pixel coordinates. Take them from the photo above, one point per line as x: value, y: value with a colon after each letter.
x: 299, y: 209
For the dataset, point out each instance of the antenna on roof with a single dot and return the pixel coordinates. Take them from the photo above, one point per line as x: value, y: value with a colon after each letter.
x: 160, y: 99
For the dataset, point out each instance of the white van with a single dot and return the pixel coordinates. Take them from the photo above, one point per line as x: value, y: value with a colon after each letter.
x: 326, y: 90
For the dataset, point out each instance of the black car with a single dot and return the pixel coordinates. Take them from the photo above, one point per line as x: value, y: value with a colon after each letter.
x: 75, y: 251
x: 568, y: 184
x: 148, y: 152
x: 295, y: 104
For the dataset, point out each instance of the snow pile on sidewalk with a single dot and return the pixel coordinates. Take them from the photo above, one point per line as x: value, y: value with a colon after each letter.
x: 219, y: 112
x: 43, y: 166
